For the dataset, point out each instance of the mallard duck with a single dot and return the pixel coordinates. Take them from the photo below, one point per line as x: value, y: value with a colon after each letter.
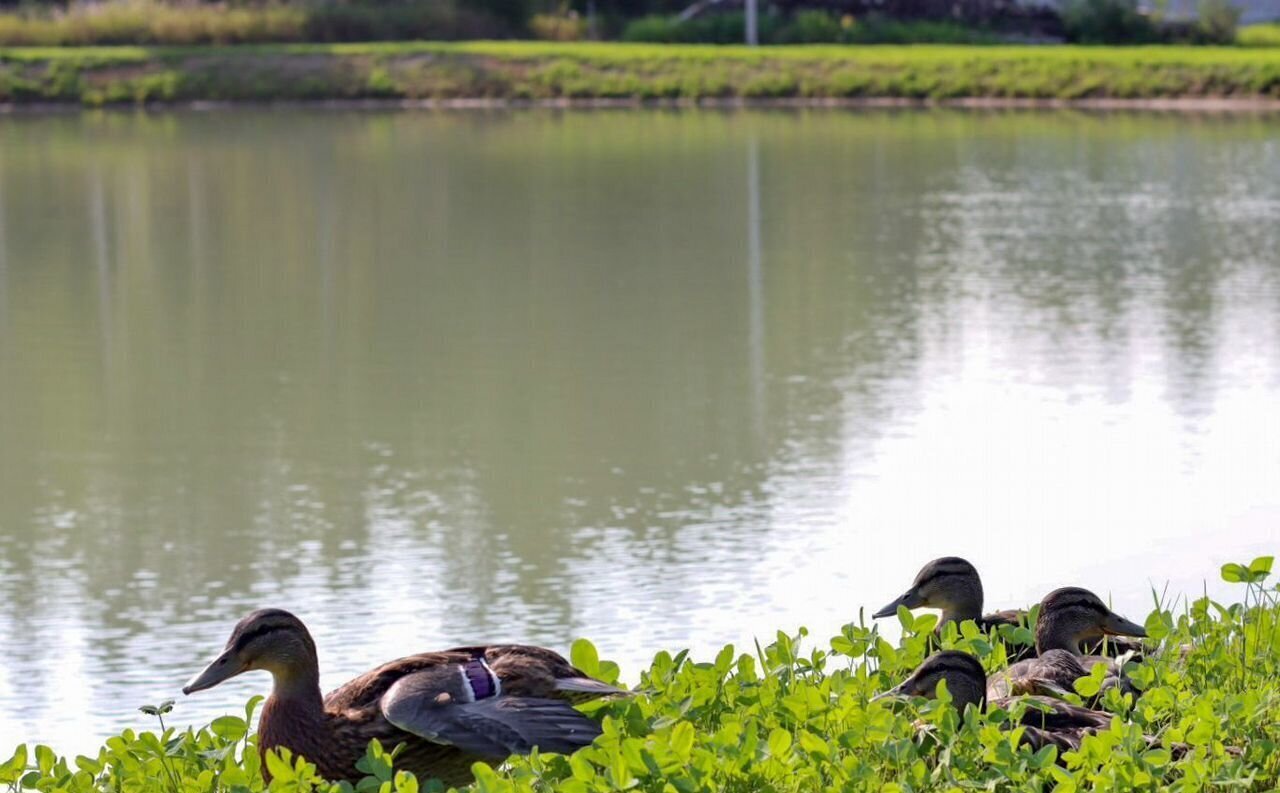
x: 952, y: 585
x: 449, y: 709
x: 1069, y: 618
x: 1046, y: 721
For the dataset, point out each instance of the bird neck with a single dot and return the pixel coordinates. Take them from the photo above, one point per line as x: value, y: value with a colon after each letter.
x: 293, y: 718
x: 960, y: 610
x: 1052, y: 634
x: 297, y: 689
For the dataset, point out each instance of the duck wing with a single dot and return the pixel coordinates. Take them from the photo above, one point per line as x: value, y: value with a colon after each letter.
x: 439, y: 709
x: 1054, y: 715
x: 364, y: 692
x: 531, y: 671
x: 1005, y: 617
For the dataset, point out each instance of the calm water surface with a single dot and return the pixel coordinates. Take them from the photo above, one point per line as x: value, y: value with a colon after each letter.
x: 659, y: 379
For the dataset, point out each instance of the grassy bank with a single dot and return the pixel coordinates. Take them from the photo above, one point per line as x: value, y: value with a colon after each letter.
x: 797, y: 715
x: 552, y: 71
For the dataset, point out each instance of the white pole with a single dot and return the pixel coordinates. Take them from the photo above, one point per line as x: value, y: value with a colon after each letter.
x: 753, y: 34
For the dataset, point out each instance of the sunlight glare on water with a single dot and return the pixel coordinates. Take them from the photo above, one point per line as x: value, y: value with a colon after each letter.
x: 662, y: 379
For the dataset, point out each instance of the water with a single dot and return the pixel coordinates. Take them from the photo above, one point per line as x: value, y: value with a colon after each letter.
x: 662, y: 379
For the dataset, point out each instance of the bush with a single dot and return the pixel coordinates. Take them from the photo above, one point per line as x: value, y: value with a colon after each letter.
x: 878, y: 29
x: 1264, y: 35
x: 558, y: 27
x: 1107, y: 22
x: 811, y: 27
x: 727, y: 28
x: 146, y: 22
x: 1217, y: 21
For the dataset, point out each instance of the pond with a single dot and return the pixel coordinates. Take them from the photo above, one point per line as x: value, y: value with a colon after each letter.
x: 662, y: 379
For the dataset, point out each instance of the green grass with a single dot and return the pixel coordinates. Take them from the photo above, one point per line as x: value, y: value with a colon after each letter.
x: 797, y: 715
x: 635, y: 72
x: 1264, y: 35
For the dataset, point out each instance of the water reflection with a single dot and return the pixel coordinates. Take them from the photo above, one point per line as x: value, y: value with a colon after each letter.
x: 663, y: 379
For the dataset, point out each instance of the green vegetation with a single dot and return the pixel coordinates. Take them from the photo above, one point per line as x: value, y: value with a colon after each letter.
x: 806, y: 27
x: 170, y: 22
x: 149, y: 22
x: 552, y: 71
x: 795, y: 717
x: 1267, y: 35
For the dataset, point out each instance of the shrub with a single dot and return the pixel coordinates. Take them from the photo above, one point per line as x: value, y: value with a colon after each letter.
x: 878, y: 29
x: 558, y: 27
x: 148, y: 22
x: 810, y: 27
x: 1107, y: 22
x: 726, y: 28
x: 1217, y: 21
x: 1263, y: 35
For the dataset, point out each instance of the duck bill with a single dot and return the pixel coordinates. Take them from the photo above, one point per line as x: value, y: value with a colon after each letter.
x: 911, y: 600
x: 1115, y: 625
x: 224, y: 667
x: 893, y: 693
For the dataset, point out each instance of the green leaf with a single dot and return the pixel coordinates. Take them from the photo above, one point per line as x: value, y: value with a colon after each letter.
x: 280, y: 769
x: 906, y: 618
x: 779, y: 743
x: 12, y: 770
x: 925, y: 623
x: 584, y: 656
x: 681, y: 740
x: 45, y: 759
x: 229, y: 728
x: 814, y: 745
x: 1233, y: 573
x: 1261, y: 565
x: 406, y: 782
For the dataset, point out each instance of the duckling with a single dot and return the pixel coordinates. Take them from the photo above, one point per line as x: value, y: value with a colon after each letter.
x: 1069, y: 618
x: 1048, y: 722
x: 448, y: 709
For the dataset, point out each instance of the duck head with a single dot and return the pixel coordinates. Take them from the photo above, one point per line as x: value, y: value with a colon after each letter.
x: 966, y: 680
x: 1072, y: 615
x: 950, y: 584
x: 269, y: 639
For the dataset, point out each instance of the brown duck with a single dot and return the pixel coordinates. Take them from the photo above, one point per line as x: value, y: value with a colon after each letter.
x: 1049, y: 722
x: 449, y: 709
x: 953, y: 586
x: 1072, y: 621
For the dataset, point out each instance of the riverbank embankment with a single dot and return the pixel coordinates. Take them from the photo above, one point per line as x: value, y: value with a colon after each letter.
x: 528, y: 72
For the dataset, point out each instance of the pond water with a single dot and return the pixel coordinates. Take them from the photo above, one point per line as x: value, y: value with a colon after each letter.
x: 662, y: 379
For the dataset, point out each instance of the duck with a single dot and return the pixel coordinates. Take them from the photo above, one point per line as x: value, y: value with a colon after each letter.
x: 1047, y: 722
x: 952, y: 585
x: 1071, y: 621
x: 448, y: 709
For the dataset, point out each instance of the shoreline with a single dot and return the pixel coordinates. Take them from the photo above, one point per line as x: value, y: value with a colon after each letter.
x: 1172, y: 105
x: 513, y: 75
